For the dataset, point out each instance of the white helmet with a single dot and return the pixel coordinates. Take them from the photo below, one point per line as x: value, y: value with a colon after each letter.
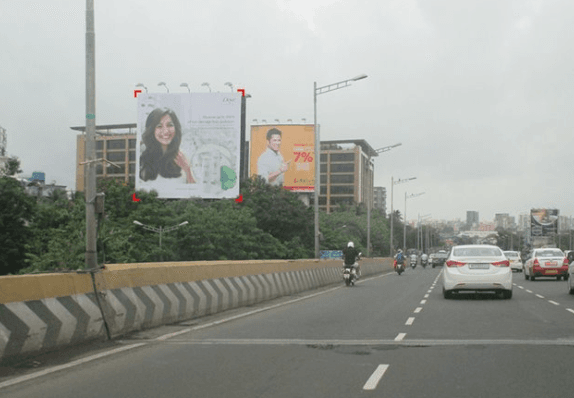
x: 350, y: 244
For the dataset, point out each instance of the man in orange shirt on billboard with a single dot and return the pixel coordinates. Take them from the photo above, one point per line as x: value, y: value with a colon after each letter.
x: 271, y: 165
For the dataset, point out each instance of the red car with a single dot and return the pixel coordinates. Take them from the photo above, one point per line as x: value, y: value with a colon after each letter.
x: 548, y: 262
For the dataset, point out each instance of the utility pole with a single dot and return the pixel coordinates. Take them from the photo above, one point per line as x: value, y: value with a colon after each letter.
x: 89, y: 166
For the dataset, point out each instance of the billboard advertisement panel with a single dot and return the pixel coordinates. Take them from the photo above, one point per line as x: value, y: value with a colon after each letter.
x: 543, y: 222
x: 284, y: 155
x: 189, y: 145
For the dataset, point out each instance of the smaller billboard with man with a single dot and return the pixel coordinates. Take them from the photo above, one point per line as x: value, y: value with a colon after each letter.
x: 283, y: 155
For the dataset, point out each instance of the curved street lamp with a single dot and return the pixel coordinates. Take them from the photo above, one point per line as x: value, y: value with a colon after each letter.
x: 186, y: 86
x: 230, y: 85
x: 163, y: 84
x: 393, y: 183
x: 160, y: 230
x: 207, y: 85
x: 414, y: 195
x: 141, y: 85
x: 318, y: 91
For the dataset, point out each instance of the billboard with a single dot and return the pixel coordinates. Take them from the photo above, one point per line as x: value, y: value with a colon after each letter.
x: 284, y: 155
x: 543, y: 222
x: 189, y: 144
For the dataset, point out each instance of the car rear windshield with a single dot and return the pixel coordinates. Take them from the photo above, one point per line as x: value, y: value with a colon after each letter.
x: 511, y: 255
x: 477, y: 252
x: 549, y: 253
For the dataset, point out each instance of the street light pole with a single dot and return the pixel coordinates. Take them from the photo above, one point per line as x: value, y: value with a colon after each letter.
x: 369, y: 199
x: 317, y: 188
x: 405, y: 215
x: 161, y: 229
x: 393, y: 183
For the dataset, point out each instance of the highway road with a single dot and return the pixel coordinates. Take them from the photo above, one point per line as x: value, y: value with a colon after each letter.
x: 388, y: 336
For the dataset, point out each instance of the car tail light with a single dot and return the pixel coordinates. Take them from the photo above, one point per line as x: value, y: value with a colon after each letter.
x: 536, y: 262
x: 451, y: 263
x: 504, y: 263
x: 565, y: 262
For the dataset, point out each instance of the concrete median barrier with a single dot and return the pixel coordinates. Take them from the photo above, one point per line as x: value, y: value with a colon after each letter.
x: 42, y: 312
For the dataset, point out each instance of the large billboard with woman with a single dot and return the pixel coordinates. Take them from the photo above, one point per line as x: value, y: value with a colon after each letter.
x: 189, y: 145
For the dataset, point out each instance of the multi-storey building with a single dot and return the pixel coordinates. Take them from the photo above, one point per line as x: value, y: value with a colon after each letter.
x: 347, y: 174
x: 115, y: 143
x: 472, y: 220
x: 380, y: 199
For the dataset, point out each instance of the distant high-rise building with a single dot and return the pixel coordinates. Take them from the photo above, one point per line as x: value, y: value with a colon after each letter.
x: 380, y: 199
x: 472, y: 219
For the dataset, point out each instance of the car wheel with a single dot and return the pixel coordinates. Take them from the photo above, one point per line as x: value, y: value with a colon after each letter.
x: 507, y: 294
x: 532, y: 278
x: 570, y: 288
x: 525, y: 276
x: 446, y: 294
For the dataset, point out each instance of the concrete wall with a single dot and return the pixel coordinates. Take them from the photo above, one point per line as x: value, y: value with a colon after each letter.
x: 42, y: 312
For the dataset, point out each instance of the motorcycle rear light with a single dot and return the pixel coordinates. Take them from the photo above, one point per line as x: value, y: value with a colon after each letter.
x: 504, y: 263
x: 451, y: 263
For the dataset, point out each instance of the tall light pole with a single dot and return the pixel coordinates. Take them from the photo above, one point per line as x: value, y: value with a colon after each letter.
x: 160, y: 230
x: 369, y: 199
x: 186, y: 86
x: 420, y: 231
x: 414, y: 195
x: 317, y: 91
x: 163, y: 84
x: 91, y: 256
x: 393, y: 183
x: 230, y: 85
x: 142, y: 85
x: 207, y: 85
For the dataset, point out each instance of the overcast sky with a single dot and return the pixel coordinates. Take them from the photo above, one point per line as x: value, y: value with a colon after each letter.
x: 480, y: 93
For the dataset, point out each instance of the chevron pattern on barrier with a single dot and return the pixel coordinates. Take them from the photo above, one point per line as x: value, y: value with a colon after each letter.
x: 43, y: 324
x: 130, y: 309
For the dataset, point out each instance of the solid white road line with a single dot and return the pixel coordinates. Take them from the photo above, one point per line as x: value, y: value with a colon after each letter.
x: 400, y: 337
x: 377, y: 375
x: 410, y: 321
x: 553, y: 302
x: 67, y: 366
x: 418, y: 309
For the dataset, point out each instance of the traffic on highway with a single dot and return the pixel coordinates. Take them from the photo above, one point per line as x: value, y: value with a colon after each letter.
x: 389, y: 336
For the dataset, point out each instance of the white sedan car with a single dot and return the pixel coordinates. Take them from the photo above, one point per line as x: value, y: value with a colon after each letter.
x: 515, y: 260
x: 477, y: 268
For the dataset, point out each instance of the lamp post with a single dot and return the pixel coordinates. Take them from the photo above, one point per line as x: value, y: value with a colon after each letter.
x: 163, y: 84
x: 369, y: 199
x: 230, y: 85
x: 420, y: 231
x: 141, y: 85
x: 160, y: 230
x: 207, y: 85
x: 393, y: 183
x: 186, y: 86
x: 414, y: 195
x: 317, y: 91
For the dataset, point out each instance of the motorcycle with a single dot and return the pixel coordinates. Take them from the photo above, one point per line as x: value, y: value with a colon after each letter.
x: 413, y: 262
x: 399, y: 268
x: 350, y: 274
x: 424, y: 262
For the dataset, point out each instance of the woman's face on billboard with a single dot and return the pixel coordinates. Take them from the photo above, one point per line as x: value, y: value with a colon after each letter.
x: 165, y: 131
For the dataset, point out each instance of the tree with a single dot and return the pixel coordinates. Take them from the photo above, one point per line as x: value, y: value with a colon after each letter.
x: 16, y: 211
x: 11, y: 168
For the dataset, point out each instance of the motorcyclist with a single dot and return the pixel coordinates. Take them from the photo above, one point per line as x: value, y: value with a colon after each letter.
x: 424, y: 258
x: 350, y: 255
x: 399, y: 258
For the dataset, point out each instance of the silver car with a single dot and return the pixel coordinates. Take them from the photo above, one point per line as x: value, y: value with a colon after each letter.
x: 477, y: 268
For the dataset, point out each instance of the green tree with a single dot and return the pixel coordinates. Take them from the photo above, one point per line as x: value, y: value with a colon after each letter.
x: 16, y: 211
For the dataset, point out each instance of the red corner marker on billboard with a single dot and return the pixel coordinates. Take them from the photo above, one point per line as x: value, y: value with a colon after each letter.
x: 242, y: 91
x: 136, y: 92
x: 135, y: 199
x: 238, y: 200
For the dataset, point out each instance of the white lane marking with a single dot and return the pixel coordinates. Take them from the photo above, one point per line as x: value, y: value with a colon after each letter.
x: 553, y: 302
x: 400, y: 337
x: 521, y: 287
x: 430, y: 291
x: 426, y: 296
x: 199, y: 327
x: 539, y: 296
x: 423, y: 301
x: 418, y: 309
x: 410, y: 321
x: 67, y: 366
x: 377, y: 375
x: 571, y: 310
x: 529, y: 291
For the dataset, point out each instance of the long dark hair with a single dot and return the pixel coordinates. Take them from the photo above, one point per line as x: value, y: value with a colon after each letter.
x: 153, y: 160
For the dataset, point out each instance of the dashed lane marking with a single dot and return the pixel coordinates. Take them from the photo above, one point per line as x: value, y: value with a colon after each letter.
x: 377, y: 375
x: 410, y: 321
x: 418, y: 309
x: 553, y: 302
x: 423, y: 301
x: 400, y: 337
x: 539, y: 296
x: 529, y: 291
x: 570, y: 310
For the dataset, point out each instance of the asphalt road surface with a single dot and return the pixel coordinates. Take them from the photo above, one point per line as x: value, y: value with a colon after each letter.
x: 388, y: 336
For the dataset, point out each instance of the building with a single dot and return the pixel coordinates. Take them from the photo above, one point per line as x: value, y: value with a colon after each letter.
x: 347, y: 167
x: 380, y: 199
x: 115, y: 143
x: 504, y: 221
x: 347, y: 174
x: 472, y: 220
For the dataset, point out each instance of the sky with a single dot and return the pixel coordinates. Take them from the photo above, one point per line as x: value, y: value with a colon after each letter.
x: 479, y: 92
